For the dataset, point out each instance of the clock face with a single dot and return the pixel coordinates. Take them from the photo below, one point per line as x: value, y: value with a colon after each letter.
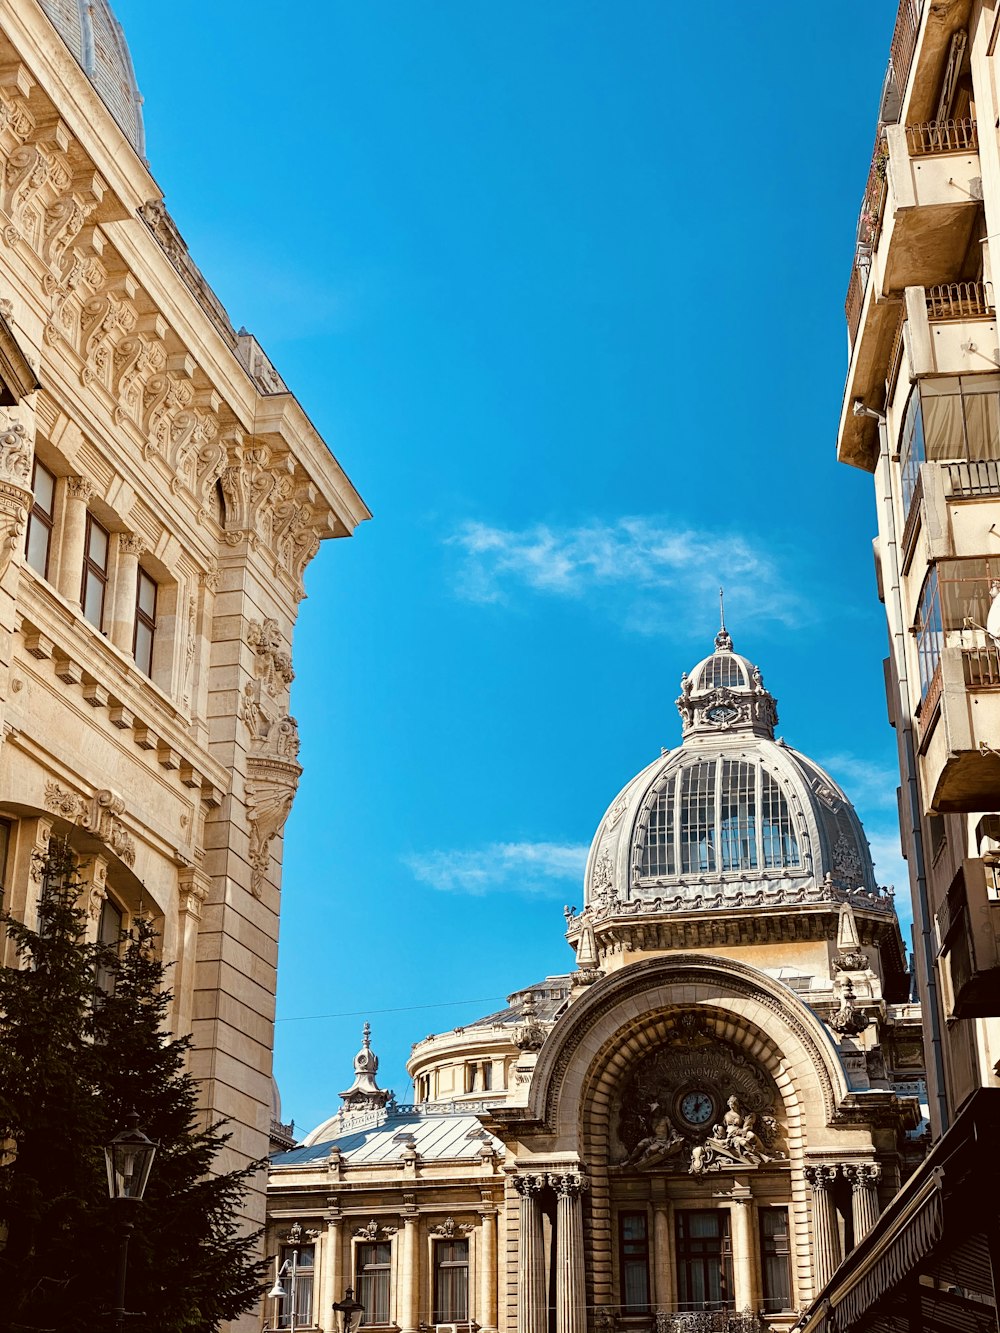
x: 722, y: 713
x: 696, y: 1107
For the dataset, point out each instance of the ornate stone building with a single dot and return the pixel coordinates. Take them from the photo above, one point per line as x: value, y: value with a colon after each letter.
x: 161, y: 493
x: 699, y: 1121
x: 920, y: 412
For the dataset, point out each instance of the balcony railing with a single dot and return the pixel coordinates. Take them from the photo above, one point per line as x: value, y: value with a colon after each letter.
x: 936, y: 137
x: 855, y: 300
x: 904, y: 41
x: 968, y: 480
x: 982, y: 668
x: 960, y: 300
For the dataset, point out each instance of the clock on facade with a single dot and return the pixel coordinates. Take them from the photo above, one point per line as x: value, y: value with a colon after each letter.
x: 696, y: 1107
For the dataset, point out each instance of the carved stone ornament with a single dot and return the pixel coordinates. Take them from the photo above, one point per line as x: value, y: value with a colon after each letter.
x: 15, y: 482
x: 602, y: 884
x: 529, y: 1034
x: 697, y: 1104
x: 449, y: 1229
x: 846, y: 861
x: 849, y: 1019
x: 272, y: 664
x: 270, y: 790
x: 99, y: 816
x: 373, y: 1230
x: 851, y: 962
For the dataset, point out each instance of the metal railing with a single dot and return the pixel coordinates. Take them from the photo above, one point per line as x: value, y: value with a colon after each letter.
x: 869, y: 231
x: 942, y: 136
x: 855, y: 301
x: 904, y: 41
x: 967, y: 480
x: 960, y: 300
x: 982, y: 668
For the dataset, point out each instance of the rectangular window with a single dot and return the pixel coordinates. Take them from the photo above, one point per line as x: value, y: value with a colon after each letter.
x: 372, y: 1280
x: 633, y: 1256
x: 698, y: 818
x: 451, y: 1281
x: 95, y: 572
x: 738, y: 816
x: 145, y: 623
x: 38, y: 542
x: 949, y: 421
x: 776, y: 1269
x: 297, y: 1267
x: 704, y: 1260
x: 954, y: 605
x: 109, y: 933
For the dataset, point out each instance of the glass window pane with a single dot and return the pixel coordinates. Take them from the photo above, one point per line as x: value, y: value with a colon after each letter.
x: 97, y: 545
x: 43, y: 483
x: 146, y: 595
x: 36, y: 550
x: 93, y: 598
x: 144, y: 648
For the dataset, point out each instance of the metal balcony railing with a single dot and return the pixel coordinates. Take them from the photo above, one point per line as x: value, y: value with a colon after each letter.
x: 960, y: 300
x: 904, y: 41
x: 982, y: 668
x: 942, y: 136
x: 967, y: 480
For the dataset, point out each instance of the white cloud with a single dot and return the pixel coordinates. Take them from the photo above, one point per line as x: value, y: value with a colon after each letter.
x: 502, y: 867
x: 664, y: 569
x: 868, y: 784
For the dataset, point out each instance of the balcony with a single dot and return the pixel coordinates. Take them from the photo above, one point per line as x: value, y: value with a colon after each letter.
x: 968, y: 925
x: 920, y: 208
x: 959, y: 725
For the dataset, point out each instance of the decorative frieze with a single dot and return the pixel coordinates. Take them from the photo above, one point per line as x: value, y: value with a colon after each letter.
x: 99, y: 815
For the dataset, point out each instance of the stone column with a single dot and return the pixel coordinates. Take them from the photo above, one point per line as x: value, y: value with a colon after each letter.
x: 331, y: 1279
x: 662, y: 1296
x: 744, y: 1250
x: 825, y: 1237
x: 409, y: 1276
x: 130, y: 548
x: 78, y: 493
x: 864, y: 1178
x: 571, y: 1294
x: 488, y: 1265
x: 532, y: 1315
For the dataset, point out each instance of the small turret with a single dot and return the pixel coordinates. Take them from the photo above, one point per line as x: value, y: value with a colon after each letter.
x: 364, y: 1094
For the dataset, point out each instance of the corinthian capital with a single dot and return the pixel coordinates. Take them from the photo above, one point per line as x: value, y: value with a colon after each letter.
x: 131, y: 543
x: 863, y: 1175
x: 568, y: 1184
x: 80, y: 488
x: 530, y: 1183
x: 821, y: 1177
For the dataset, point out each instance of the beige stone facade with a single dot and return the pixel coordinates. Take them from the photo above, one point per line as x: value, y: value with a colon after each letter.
x: 689, y: 1130
x: 161, y: 493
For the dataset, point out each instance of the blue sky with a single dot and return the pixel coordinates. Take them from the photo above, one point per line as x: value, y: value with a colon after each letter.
x: 562, y: 286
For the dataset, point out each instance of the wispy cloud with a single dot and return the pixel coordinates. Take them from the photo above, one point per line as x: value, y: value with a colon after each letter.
x: 502, y: 867
x: 868, y: 784
x: 653, y: 569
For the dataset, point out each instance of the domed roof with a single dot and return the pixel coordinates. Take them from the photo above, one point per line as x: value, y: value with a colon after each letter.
x: 95, y: 38
x: 732, y: 817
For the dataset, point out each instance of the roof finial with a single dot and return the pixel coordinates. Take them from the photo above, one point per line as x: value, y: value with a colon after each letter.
x: 723, y: 642
x: 366, y: 1033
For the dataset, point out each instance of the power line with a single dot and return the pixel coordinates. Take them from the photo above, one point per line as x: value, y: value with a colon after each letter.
x: 399, y: 1009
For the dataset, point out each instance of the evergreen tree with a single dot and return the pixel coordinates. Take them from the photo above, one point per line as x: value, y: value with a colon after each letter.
x: 74, y: 1063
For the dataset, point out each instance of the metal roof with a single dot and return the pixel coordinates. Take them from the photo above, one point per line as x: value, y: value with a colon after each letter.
x: 435, y: 1137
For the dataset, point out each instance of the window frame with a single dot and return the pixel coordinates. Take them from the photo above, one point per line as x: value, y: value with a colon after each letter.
x: 144, y: 620
x: 40, y: 518
x: 771, y: 1250
x: 92, y: 569
x: 373, y: 1274
x: 305, y: 1283
x: 688, y: 1252
x: 636, y: 1260
x: 442, y: 1313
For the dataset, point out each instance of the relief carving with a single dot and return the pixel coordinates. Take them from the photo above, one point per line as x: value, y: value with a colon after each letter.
x: 270, y: 790
x: 99, y: 816
x: 273, y: 665
x: 697, y: 1105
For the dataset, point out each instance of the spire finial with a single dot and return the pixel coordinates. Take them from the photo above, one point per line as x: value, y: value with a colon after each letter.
x: 366, y: 1033
x: 723, y: 642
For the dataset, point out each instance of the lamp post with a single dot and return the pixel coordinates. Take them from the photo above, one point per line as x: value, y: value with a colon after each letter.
x: 349, y: 1312
x: 289, y: 1269
x: 129, y: 1159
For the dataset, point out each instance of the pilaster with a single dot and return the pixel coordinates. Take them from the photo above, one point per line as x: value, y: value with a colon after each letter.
x: 826, y: 1237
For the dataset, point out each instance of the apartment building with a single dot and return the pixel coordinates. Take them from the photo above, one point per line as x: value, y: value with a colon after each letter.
x: 921, y: 413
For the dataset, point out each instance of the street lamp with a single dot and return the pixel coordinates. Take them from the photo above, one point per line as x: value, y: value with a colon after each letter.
x: 349, y: 1311
x: 129, y: 1159
x: 289, y: 1268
